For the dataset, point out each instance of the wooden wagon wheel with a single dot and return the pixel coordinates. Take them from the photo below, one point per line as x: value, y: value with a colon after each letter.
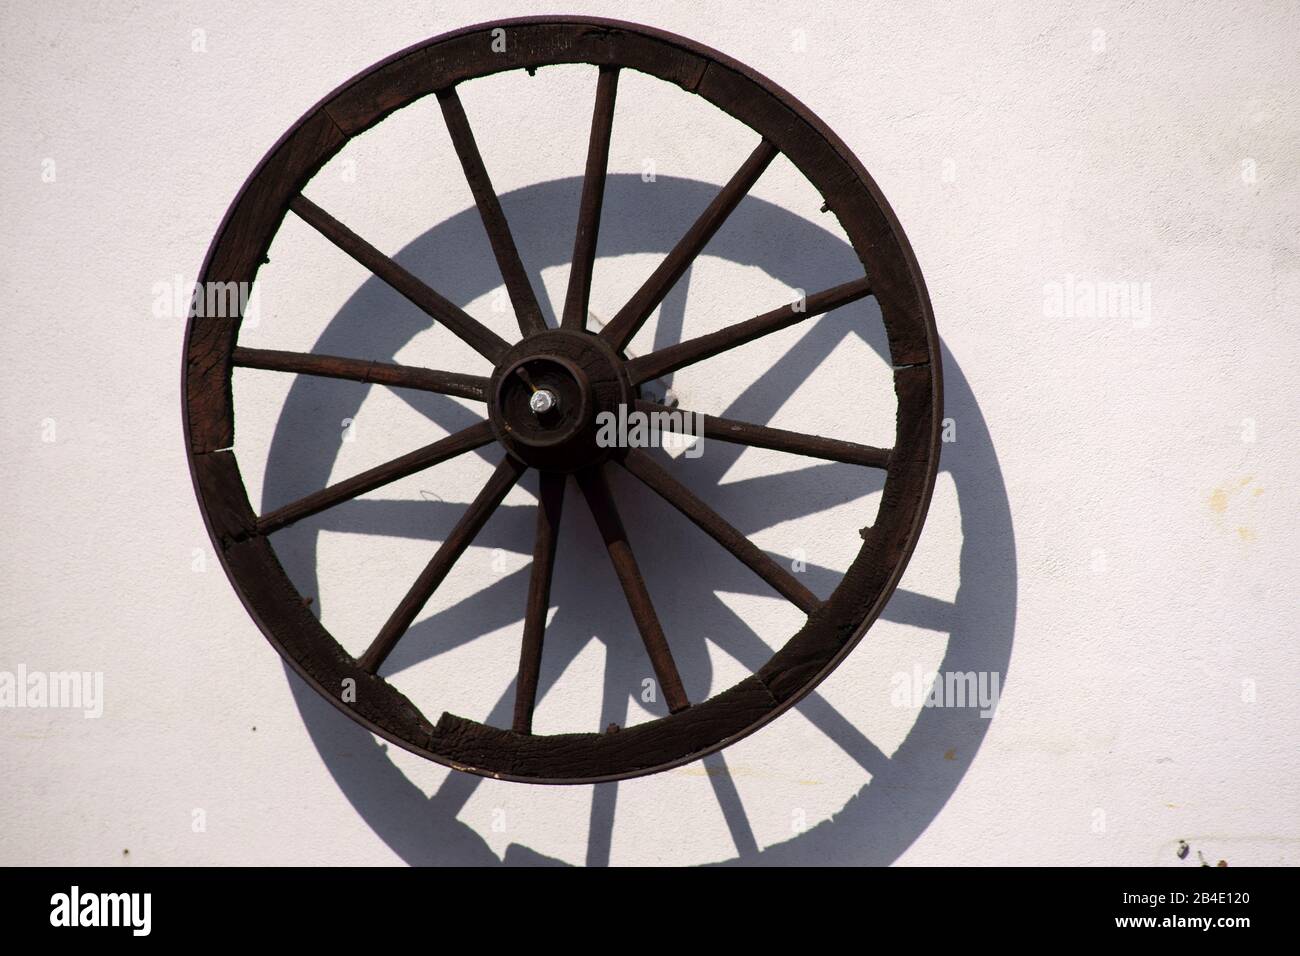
x: 543, y: 396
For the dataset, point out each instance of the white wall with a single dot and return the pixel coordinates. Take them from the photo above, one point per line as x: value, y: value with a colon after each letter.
x: 1113, y: 534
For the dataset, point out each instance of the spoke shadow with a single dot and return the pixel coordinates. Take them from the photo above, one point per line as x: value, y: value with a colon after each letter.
x: 907, y: 789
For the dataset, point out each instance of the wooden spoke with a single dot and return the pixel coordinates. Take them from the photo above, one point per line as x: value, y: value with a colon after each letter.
x: 601, y: 503
x: 685, y: 501
x: 458, y: 443
x: 472, y: 332
x: 578, y: 298
x: 363, y: 370
x: 670, y: 359
x: 471, y: 522
x: 549, y: 506
x: 632, y: 316
x: 520, y: 289
x: 777, y: 439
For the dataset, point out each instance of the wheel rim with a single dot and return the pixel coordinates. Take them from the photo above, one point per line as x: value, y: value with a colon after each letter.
x: 242, y: 538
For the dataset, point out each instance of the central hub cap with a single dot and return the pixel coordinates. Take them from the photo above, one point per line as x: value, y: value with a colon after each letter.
x: 543, y: 401
x: 545, y: 396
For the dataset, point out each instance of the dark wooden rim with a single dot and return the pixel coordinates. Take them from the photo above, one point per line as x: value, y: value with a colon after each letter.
x: 241, y: 537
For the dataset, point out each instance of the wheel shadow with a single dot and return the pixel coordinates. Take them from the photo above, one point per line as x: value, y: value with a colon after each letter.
x: 907, y: 789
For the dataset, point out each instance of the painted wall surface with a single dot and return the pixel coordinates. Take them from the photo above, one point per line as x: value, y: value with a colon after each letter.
x: 1105, y: 201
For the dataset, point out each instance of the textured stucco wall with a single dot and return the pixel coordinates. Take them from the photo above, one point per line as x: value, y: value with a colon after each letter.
x: 1113, y: 535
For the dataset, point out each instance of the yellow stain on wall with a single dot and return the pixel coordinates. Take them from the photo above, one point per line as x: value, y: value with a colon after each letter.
x: 1223, y: 497
x: 700, y: 770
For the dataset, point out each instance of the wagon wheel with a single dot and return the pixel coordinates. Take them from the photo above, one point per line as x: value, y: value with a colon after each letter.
x: 546, y: 391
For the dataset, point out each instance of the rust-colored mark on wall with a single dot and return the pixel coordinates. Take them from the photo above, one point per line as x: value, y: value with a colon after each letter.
x: 1232, y: 497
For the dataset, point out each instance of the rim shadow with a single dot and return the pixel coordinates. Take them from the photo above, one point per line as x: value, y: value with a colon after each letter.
x: 907, y: 789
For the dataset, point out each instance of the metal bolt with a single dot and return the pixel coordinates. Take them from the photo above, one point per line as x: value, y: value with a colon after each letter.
x: 542, y: 401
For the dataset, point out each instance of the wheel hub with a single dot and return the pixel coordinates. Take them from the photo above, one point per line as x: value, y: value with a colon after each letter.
x: 547, y: 393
